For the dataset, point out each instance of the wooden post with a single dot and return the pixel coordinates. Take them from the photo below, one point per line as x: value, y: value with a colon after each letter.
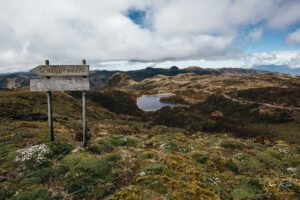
x: 50, y: 121
x: 84, y: 120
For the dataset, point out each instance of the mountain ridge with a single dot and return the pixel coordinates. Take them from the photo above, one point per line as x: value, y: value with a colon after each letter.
x: 100, y: 78
x: 284, y: 69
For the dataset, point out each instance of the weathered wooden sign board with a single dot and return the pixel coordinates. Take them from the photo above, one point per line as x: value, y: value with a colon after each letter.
x: 62, y: 78
x: 61, y: 70
x: 60, y: 84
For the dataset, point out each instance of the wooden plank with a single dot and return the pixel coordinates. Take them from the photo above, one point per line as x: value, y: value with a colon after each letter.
x: 84, y: 120
x: 61, y: 70
x: 50, y: 114
x: 60, y: 84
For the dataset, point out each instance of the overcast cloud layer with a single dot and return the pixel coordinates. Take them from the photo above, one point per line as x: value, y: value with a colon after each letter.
x: 171, y: 30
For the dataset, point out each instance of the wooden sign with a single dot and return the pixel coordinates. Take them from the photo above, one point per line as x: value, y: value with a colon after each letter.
x: 62, y: 78
x: 60, y: 84
x: 61, y: 70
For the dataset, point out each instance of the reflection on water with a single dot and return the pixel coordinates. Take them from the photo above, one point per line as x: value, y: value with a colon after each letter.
x: 152, y: 103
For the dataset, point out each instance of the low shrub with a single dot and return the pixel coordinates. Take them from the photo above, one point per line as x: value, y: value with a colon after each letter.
x: 200, y: 158
x: 232, y: 144
x: 253, y: 165
x: 87, y: 172
x: 36, y: 192
x: 44, y: 174
x: 58, y: 150
x: 271, y: 161
x: 232, y: 166
x: 154, y: 168
x: 157, y: 186
x: 146, y: 155
x: 242, y: 193
x: 169, y: 146
x: 109, y: 143
x: 7, y: 190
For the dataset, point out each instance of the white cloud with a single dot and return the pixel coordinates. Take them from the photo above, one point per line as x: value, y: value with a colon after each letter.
x: 286, y: 13
x: 294, y: 38
x: 70, y: 30
x: 289, y: 58
x: 127, y: 65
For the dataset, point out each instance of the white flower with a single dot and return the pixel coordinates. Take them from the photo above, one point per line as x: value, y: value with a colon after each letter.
x: 142, y: 173
x: 214, y: 180
x: 124, y: 139
x: 36, y: 152
x: 291, y: 169
x: 165, y: 146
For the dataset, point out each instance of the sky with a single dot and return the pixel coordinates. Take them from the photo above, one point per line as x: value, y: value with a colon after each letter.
x: 134, y: 34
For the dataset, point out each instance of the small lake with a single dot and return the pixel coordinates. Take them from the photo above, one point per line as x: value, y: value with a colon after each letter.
x: 152, y: 103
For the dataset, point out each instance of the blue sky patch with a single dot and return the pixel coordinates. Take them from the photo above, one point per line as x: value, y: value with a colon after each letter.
x: 271, y: 39
x: 139, y: 17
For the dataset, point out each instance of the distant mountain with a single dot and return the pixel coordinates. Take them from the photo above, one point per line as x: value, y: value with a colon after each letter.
x: 120, y: 79
x: 285, y: 69
x: 149, y: 72
x: 100, y: 78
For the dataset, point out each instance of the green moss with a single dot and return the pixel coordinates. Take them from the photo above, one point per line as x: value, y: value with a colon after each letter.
x: 38, y: 193
x: 169, y: 146
x: 232, y: 165
x: 200, y: 158
x: 242, y: 193
x: 86, y: 172
x: 297, y: 149
x: 298, y: 172
x: 123, y: 141
x: 146, y: 155
x: 59, y: 170
x: 154, y: 168
x: 253, y: 165
x: 269, y: 160
x: 73, y: 159
x: 157, y: 186
x: 101, y: 147
x: 32, y: 181
x: 232, y: 144
x: 274, y: 153
x: 109, y: 143
x: 58, y: 150
x: 44, y: 174
x: 247, y: 188
x: 7, y: 190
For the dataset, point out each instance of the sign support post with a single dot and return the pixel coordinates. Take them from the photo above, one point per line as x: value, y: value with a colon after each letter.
x: 62, y: 78
x: 84, y: 120
x: 50, y: 112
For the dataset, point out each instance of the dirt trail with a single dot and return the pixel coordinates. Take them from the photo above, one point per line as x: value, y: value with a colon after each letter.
x: 263, y: 104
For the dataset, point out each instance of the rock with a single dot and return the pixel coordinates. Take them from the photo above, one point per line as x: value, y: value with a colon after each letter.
x: 120, y: 79
x: 217, y: 114
x: 102, y: 133
x: 77, y: 149
x: 2, y: 179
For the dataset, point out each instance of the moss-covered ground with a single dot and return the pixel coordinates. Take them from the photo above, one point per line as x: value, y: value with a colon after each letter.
x: 147, y: 163
x: 130, y: 158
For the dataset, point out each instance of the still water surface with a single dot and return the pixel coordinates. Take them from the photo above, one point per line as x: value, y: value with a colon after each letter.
x: 152, y: 103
